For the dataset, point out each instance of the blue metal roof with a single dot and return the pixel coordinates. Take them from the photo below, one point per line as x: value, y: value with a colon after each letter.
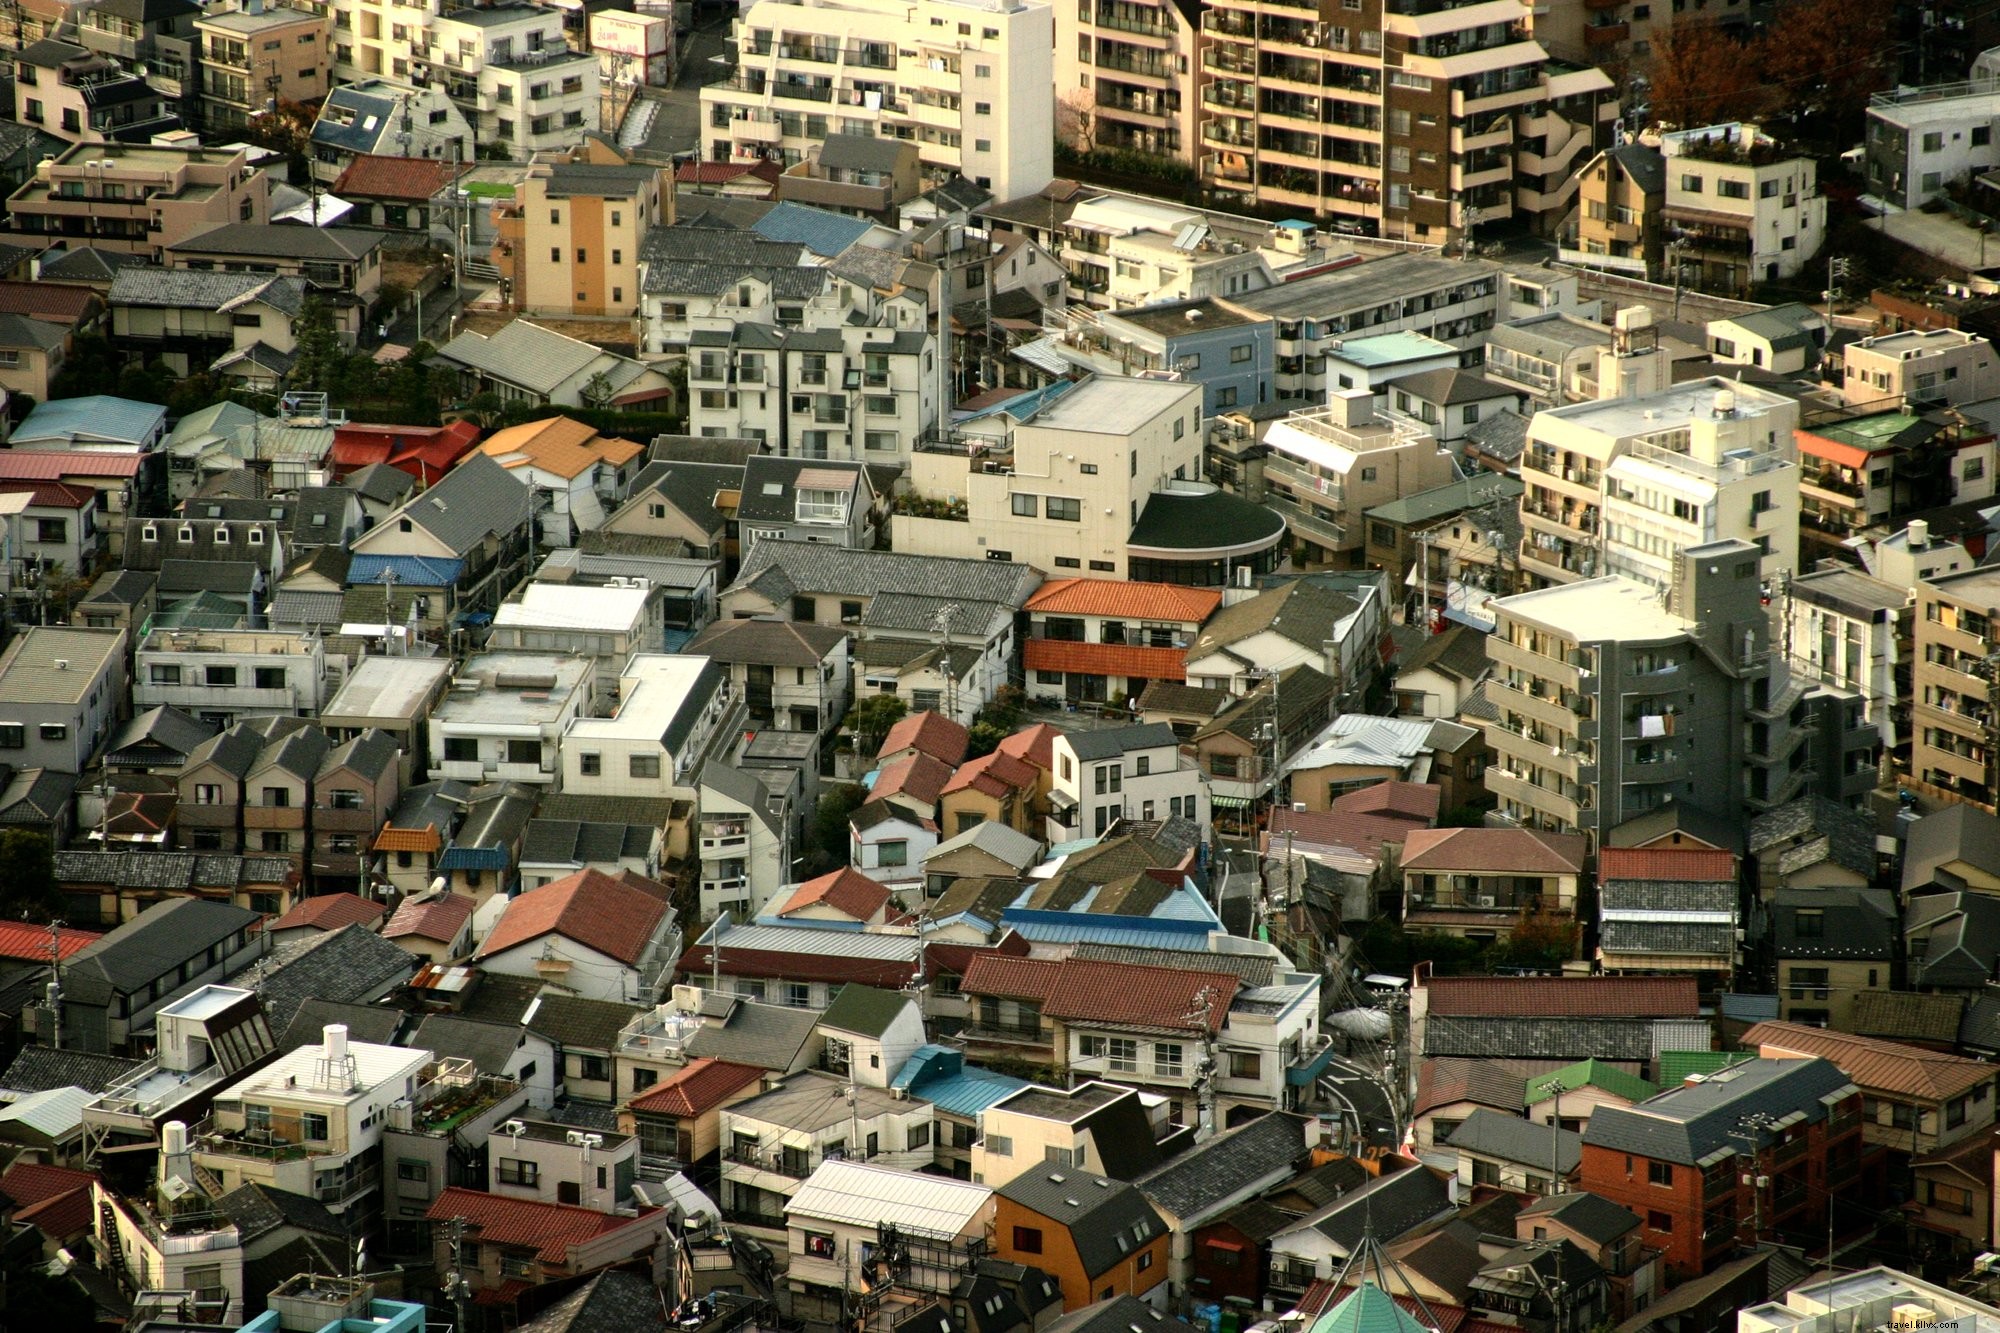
x: 1024, y: 404
x: 1138, y: 932
x: 825, y: 234
x: 96, y: 416
x: 940, y: 1076
x: 412, y: 571
x: 473, y: 858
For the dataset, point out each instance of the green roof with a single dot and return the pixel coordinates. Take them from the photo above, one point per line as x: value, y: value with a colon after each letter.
x: 1880, y: 431
x: 1368, y: 1310
x: 1590, y: 1073
x: 864, y: 1010
x: 1675, y: 1066
x: 487, y: 190
x: 1451, y: 498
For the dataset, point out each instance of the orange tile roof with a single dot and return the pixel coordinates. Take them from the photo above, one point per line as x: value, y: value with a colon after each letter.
x: 384, y: 177
x: 846, y: 891
x: 1105, y: 659
x: 588, y: 907
x: 1418, y: 801
x: 918, y: 776
x: 1092, y: 991
x: 1875, y: 1065
x: 1035, y: 745
x: 993, y: 774
x: 1685, y: 863
x: 702, y: 1086
x: 547, y: 1228
x: 331, y: 911
x: 1133, y: 601
x: 928, y: 733
x: 54, y: 1199
x: 425, y: 839
x: 18, y: 939
x: 439, y: 919
x: 1521, y: 850
x: 557, y: 444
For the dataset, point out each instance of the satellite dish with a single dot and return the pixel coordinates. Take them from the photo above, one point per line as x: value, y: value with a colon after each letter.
x: 174, y: 1187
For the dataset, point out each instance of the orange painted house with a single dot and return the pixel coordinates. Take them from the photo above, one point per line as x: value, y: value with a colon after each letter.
x: 1099, y: 1238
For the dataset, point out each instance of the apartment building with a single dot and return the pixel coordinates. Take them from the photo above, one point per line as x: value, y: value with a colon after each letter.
x: 1325, y: 469
x: 155, y: 39
x: 1952, y: 738
x: 1855, y: 634
x: 588, y: 213
x: 968, y: 83
x: 1126, y: 77
x: 503, y: 718
x: 137, y: 199
x: 61, y: 691
x: 223, y: 676
x: 856, y: 393
x: 1746, y: 209
x: 1089, y: 639
x: 773, y: 1141
x: 671, y: 711
x: 259, y: 55
x: 1623, y: 485
x: 1396, y: 119
x: 81, y: 97
x: 1921, y: 139
x: 507, y: 66
x: 1612, y: 701
x: 378, y: 117
x: 1919, y: 368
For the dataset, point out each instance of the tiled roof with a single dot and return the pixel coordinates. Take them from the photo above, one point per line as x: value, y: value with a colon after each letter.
x: 846, y: 891
x: 54, y: 1199
x: 1445, y: 1079
x: 1568, y: 997
x: 1107, y: 1219
x: 561, y: 445
x: 1128, y: 600
x: 819, y: 230
x: 1907, y: 1016
x: 410, y: 178
x: 1218, y: 1170
x: 1490, y: 1133
x: 1524, y: 851
x: 1034, y: 745
x: 928, y: 733
x: 1105, y: 659
x: 994, y: 775
x: 1366, y: 834
x: 19, y: 940
x: 589, y: 907
x: 767, y: 642
x: 1683, y: 863
x: 613, y: 1300
x: 1091, y: 992
x: 1396, y: 800
x: 917, y: 776
x: 1878, y: 1066
x: 330, y: 911
x: 39, y: 1068
x: 547, y: 1228
x: 699, y: 1086
x: 439, y: 919
x: 425, y: 839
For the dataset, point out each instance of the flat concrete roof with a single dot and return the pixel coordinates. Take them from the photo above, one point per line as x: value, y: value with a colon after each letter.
x: 1596, y: 610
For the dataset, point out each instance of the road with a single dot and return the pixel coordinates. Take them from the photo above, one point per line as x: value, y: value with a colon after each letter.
x: 1356, y: 1092
x: 676, y: 124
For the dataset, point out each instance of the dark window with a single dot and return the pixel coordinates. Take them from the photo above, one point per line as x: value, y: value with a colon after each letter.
x: 1028, y: 1240
x: 270, y: 678
x: 1660, y: 1173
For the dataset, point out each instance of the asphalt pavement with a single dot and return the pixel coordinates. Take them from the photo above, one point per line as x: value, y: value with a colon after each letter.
x: 1356, y: 1093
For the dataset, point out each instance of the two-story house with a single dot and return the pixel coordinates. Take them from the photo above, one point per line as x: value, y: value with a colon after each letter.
x: 224, y: 676
x: 1135, y: 772
x: 114, y: 986
x: 599, y: 936
x: 582, y: 474
x: 1100, y: 1238
x: 1101, y: 640
x: 808, y: 499
x: 473, y: 520
x: 353, y: 791
x: 61, y: 691
x: 1477, y: 883
x: 791, y: 676
x: 504, y: 717
x: 772, y: 1142
x: 673, y: 712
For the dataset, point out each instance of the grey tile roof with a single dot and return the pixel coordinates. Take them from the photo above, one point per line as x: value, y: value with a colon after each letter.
x: 369, y: 755
x: 1490, y: 1133
x: 813, y: 568
x: 1120, y: 1314
x: 1666, y: 895
x: 718, y: 245
x: 1205, y: 1175
x: 380, y: 482
x: 722, y: 450
x: 156, y: 941
x: 1646, y: 166
x: 607, y: 181
x: 1952, y: 939
x: 1110, y: 742
x: 1589, y: 1215
x: 35, y: 797
x: 39, y: 1068
x: 691, y: 488
x: 770, y: 482
x: 364, y: 1022
x: 742, y: 787
x: 576, y: 842
x: 579, y: 1024
x: 278, y: 240
x: 1499, y: 435
x: 1690, y: 1123
x: 1302, y: 612
x: 652, y: 810
x: 490, y: 1046
x: 121, y: 587
x: 85, y: 264
x: 1387, y: 1207
x: 1956, y: 833
x: 1854, y: 923
x: 293, y: 608
x: 495, y: 815
x: 1667, y: 937
x: 1567, y: 1038
x: 162, y: 737
x: 767, y: 1035
x: 910, y: 612
x: 318, y: 514
x: 535, y: 358
x: 760, y: 642
x: 1850, y: 834
x: 196, y: 289
x: 1108, y: 1220
x: 257, y: 1210
x: 353, y: 964
x: 475, y: 500
x: 17, y: 331
x: 612, y: 1302
x: 863, y: 152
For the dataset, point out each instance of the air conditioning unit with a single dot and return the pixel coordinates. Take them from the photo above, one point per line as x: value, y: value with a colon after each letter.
x: 1485, y: 900
x: 1988, y: 1262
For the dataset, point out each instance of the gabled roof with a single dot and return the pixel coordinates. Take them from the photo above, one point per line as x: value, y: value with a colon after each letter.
x: 1952, y: 939
x: 589, y: 907
x: 1006, y: 845
x: 1525, y: 851
x: 867, y: 1195
x: 778, y: 570
x: 846, y: 891
x: 352, y: 963
x: 1387, y: 1207
x: 559, y: 445
x: 277, y: 240
x: 440, y: 918
x: 614, y: 1301
x: 549, y: 1229
x: 1302, y: 612
x: 526, y: 354
x: 917, y: 776
x: 1509, y: 1138
x: 1589, y: 1215
x: 1876, y: 1066
x: 1092, y: 992
x: 413, y: 179
x: 929, y: 733
x: 761, y: 642
x: 1189, y: 1185
x: 330, y: 911
x: 1108, y: 1220
x: 150, y: 945
x: 698, y: 1087
x: 1129, y: 600
x: 39, y: 1068
x: 1457, y: 651
x: 1451, y: 387
x: 1592, y: 1074
x: 823, y: 232
x: 1120, y: 1314
x: 473, y: 501
x: 1566, y: 997
x: 1851, y: 923
x: 1416, y: 802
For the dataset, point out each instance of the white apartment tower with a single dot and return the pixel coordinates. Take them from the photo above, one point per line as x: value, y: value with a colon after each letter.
x: 967, y: 82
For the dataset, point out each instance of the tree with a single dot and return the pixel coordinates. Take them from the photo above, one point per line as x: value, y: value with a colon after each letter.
x: 871, y: 718
x: 828, y: 835
x: 1701, y: 75
x: 318, y: 350
x: 1542, y: 940
x: 984, y: 738
x: 1076, y: 121
x: 28, y: 888
x: 1827, y: 56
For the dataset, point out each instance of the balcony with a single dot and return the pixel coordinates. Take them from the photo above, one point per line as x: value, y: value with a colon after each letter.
x: 799, y: 186
x: 801, y: 92
x: 789, y: 1162
x: 1605, y: 34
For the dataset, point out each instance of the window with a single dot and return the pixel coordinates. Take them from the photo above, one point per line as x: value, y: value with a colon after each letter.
x: 417, y: 1171
x: 270, y: 678
x: 1246, y: 1064
x: 1068, y: 509
x: 312, y: 1127
x: 1168, y: 1059
x: 278, y: 798
x: 596, y: 1068
x: 643, y: 765
x: 895, y: 853
x: 344, y: 798
x: 517, y: 1171
x: 1660, y: 1173
x: 13, y: 736
x: 1024, y: 506
x: 1121, y: 1055
x: 54, y: 731
x: 1660, y: 1222
x: 1027, y: 1240
x: 1728, y: 189
x: 1934, y: 142
x: 1809, y: 924
x: 797, y: 994
x: 165, y: 674
x: 1691, y: 182
x: 207, y: 793
x: 1145, y: 1261
x: 1982, y: 135
x: 1087, y: 469
x: 274, y: 841
x: 999, y: 1145
x: 589, y: 764
x: 919, y: 1136
x: 804, y: 608
x: 220, y: 677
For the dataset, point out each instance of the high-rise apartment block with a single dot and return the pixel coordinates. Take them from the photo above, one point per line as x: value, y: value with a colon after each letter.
x: 968, y: 83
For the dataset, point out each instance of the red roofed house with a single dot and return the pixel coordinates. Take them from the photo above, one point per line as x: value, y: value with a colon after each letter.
x: 1103, y: 640
x: 1625, y: 1019
x: 679, y: 1119
x: 842, y: 896
x: 889, y: 836
x: 519, y: 1244
x: 740, y: 180
x: 327, y: 911
x: 58, y: 525
x: 25, y: 943
x: 601, y: 938
x: 1668, y: 909
x: 928, y: 733
x: 995, y: 788
x: 1475, y: 883
x: 436, y: 929
x: 395, y: 192
x: 53, y: 1199
x: 425, y: 452
x: 1036, y: 745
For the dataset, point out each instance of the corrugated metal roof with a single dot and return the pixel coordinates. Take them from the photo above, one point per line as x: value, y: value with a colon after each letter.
x: 858, y: 1194
x: 52, y: 1113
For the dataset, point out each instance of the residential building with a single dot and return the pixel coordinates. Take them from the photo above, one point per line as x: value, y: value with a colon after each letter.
x: 1000, y: 789
x: 56, y: 528
x: 584, y: 474
x: 1449, y: 403
x: 1557, y: 1018
x: 1326, y: 468
x: 1950, y: 747
x: 678, y: 1119
x: 806, y: 500
x: 569, y: 210
x: 1095, y: 1126
x: 1107, y: 1243
x: 190, y: 320
x: 84, y: 98
x: 1921, y: 139
x: 1810, y: 1301
x: 1312, y: 622
x: 1669, y: 909
x: 772, y: 1142
x: 257, y: 57
x: 343, y: 264
x: 436, y: 930
x: 1569, y: 1096
x: 1228, y: 352
x: 1562, y: 358
x: 854, y: 173
x: 745, y: 838
x: 32, y: 352
x: 673, y: 711
x: 1128, y: 81
x: 1124, y: 773
x: 606, y: 625
x: 1477, y: 883
x: 1869, y: 472
x: 1622, y: 486
x: 468, y: 530
x: 1730, y: 1158
x: 973, y: 95
x: 398, y: 193
x: 114, y: 987
x: 525, y: 362
x: 522, y: 1241
x: 511, y: 71
x: 1607, y: 649
x: 546, y: 1162
x: 393, y: 695
x: 225, y: 675
x: 156, y: 41
x: 1609, y: 1234
x: 601, y: 937
x: 1919, y: 368
x: 1468, y: 126
x: 790, y: 676
x: 1503, y: 1151
x: 1856, y: 634
x: 61, y: 691
x: 1619, y: 224
x: 841, y: 1213
x: 150, y: 198
x: 1248, y: 750
x: 1747, y: 209
x: 1787, y: 338
x: 505, y: 715
x: 352, y: 794
x: 1091, y: 640
x: 364, y: 117
x: 1435, y: 680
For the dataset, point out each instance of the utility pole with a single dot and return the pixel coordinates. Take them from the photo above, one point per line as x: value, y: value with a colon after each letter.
x: 455, y: 1285
x: 1839, y: 267
x: 55, y: 985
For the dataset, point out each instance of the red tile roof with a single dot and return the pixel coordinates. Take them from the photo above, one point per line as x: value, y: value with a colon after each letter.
x: 425, y: 452
x: 18, y: 939
x: 1091, y: 991
x: 917, y: 776
x: 1367, y: 834
x: 721, y: 173
x: 53, y: 1198
x: 550, y: 1228
x: 54, y: 494
x: 1507, y: 849
x: 1397, y: 800
x: 54, y: 302
x: 928, y: 733
x: 55, y: 464
x: 1873, y: 1064
x: 1105, y: 659
x: 1036, y: 745
x: 330, y: 911
x: 702, y: 1086
x: 439, y: 919
x: 1132, y: 601
x: 993, y: 774
x: 1563, y: 997
x: 413, y: 178
x: 784, y: 965
x: 588, y: 907
x: 954, y: 959
x: 1686, y: 863
x: 651, y: 887
x: 846, y: 891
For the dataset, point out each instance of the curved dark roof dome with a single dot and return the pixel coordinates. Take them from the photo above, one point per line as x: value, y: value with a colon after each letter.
x: 1196, y: 518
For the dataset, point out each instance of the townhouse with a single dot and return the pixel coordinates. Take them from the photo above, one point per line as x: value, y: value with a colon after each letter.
x: 1669, y: 909
x: 588, y: 202
x: 1121, y: 773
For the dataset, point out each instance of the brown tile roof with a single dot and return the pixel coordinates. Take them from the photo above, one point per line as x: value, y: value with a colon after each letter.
x: 1133, y: 601
x: 994, y: 774
x: 413, y: 178
x: 1397, y: 800
x: 1105, y: 659
x: 1367, y: 834
x: 1444, y: 1079
x: 928, y: 733
x: 1516, y: 849
x: 54, y: 494
x: 1010, y: 978
x: 425, y: 839
x: 1677, y: 863
x: 547, y: 1228
x: 1090, y: 991
x: 51, y: 302
x: 846, y: 891
x: 1562, y: 997
x: 1035, y: 745
x: 917, y: 776
x: 703, y: 1085
x: 331, y: 911
x: 439, y: 919
x: 1874, y: 1065
x: 55, y: 1199
x: 566, y: 447
x: 589, y: 907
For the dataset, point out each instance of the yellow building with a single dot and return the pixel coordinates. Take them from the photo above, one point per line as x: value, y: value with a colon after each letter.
x: 569, y: 243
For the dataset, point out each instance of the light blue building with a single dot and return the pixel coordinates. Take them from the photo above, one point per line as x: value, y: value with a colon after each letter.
x: 1231, y: 354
